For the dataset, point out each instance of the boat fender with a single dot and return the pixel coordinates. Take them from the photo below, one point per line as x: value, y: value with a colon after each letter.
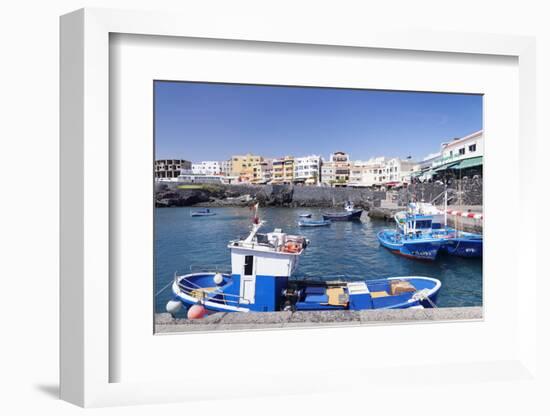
x: 196, y: 312
x: 173, y: 306
x: 218, y: 278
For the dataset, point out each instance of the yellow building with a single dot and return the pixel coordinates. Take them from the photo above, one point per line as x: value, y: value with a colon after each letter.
x: 283, y: 170
x: 242, y: 166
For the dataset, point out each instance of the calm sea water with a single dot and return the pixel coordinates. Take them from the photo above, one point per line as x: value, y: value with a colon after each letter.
x: 184, y: 244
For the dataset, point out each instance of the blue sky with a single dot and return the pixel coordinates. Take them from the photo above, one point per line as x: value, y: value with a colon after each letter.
x: 201, y: 121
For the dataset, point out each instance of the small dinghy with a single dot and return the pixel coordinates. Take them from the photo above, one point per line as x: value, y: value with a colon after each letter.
x: 261, y: 281
x: 305, y: 215
x: 349, y: 214
x: 314, y: 223
x: 202, y: 213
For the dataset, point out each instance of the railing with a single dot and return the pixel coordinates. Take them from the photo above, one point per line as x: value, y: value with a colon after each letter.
x: 198, y: 292
x: 209, y: 268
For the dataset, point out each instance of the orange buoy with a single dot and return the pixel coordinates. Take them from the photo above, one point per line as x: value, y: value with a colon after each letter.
x: 196, y: 312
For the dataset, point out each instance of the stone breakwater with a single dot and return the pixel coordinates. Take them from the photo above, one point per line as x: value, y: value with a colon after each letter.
x: 223, y: 321
x: 168, y: 195
x: 464, y: 192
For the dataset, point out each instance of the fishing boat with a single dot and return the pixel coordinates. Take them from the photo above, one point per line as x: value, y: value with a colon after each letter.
x: 314, y: 223
x: 413, y: 238
x: 305, y: 215
x: 456, y: 242
x: 202, y: 213
x: 349, y: 213
x: 262, y: 266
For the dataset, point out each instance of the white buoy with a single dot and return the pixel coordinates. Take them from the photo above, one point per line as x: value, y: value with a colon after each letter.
x: 218, y: 278
x: 173, y: 306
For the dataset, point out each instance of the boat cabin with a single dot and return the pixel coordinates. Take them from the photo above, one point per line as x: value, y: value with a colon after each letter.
x: 261, y: 265
x: 414, y: 225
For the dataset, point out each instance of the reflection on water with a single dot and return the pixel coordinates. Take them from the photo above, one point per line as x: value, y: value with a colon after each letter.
x: 348, y: 250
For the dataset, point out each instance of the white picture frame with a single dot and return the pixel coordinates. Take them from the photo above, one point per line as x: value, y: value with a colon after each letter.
x: 86, y: 353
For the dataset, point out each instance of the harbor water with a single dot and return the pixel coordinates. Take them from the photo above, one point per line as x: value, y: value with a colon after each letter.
x: 342, y: 250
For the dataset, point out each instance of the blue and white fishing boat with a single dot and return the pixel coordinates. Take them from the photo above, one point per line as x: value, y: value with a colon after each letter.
x: 261, y: 280
x: 349, y: 213
x: 413, y: 238
x: 457, y: 243
x: 202, y: 213
x: 314, y: 223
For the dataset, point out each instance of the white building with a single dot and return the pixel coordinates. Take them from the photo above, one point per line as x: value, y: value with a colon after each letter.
x: 307, y: 169
x: 206, y: 168
x: 457, y: 157
x: 461, y: 148
x: 366, y: 173
x: 225, y: 167
x: 380, y: 171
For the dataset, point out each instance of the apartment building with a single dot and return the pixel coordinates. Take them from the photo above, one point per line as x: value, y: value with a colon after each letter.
x: 210, y: 167
x: 242, y: 166
x: 283, y: 170
x: 307, y: 169
x: 171, y: 168
x: 336, y: 171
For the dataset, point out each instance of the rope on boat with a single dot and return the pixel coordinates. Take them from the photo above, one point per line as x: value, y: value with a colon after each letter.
x: 163, y: 289
x: 424, y: 294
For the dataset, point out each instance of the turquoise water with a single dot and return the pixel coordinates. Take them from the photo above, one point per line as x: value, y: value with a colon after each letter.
x: 186, y: 244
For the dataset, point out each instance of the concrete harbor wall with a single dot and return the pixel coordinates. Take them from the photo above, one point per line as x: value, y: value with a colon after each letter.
x: 464, y: 192
x: 223, y: 321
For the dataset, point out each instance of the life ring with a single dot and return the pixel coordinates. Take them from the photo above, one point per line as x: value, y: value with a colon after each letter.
x: 291, y: 247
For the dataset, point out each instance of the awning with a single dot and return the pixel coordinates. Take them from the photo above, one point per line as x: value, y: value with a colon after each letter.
x: 446, y: 166
x: 469, y: 163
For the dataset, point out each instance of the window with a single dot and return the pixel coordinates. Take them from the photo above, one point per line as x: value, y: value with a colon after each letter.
x: 472, y: 148
x: 461, y: 151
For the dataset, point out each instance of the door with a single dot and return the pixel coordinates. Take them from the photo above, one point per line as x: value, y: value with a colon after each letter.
x: 248, y: 280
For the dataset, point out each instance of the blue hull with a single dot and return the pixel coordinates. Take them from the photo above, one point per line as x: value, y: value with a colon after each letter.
x: 464, y: 247
x: 419, y: 248
x: 306, y: 294
x: 311, y: 223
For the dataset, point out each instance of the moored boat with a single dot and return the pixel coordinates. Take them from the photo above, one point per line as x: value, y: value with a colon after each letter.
x: 349, y: 213
x: 456, y: 242
x: 461, y: 243
x: 202, y: 213
x: 314, y: 223
x: 262, y: 266
x: 416, y: 246
x: 305, y: 215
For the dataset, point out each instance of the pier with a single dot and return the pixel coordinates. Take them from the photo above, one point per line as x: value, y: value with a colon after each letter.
x: 223, y: 321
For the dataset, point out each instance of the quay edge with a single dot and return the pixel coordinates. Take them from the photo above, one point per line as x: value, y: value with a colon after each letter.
x: 223, y: 321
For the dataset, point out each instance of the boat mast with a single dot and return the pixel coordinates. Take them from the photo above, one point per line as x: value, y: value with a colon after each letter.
x: 445, y: 207
x: 256, y: 224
